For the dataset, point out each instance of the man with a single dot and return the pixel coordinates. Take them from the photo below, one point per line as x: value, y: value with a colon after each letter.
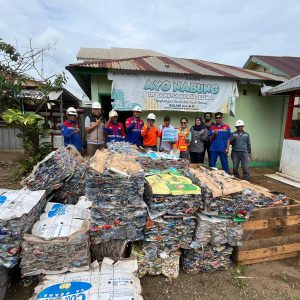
x: 166, y: 145
x: 220, y: 135
x: 134, y: 126
x: 241, y: 150
x: 207, y: 122
x: 70, y: 130
x: 114, y: 130
x: 150, y: 133
x: 94, y: 125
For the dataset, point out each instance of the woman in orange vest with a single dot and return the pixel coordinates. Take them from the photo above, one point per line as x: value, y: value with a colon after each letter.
x: 184, y: 139
x: 150, y: 133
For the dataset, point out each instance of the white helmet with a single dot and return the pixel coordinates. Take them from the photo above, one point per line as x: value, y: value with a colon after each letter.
x: 151, y: 116
x: 239, y: 123
x: 137, y: 108
x: 72, y: 111
x: 96, y: 105
x: 113, y: 113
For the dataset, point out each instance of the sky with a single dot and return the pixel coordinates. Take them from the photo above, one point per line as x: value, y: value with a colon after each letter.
x: 223, y: 31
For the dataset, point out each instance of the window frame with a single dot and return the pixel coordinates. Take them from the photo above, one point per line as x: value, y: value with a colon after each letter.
x: 289, y: 117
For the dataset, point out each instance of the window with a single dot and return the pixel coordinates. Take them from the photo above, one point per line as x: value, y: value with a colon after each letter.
x: 292, y: 129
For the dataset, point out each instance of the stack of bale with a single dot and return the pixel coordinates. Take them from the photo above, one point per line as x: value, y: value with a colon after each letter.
x: 225, y: 196
x: 212, y: 244
x: 19, y: 209
x: 171, y: 200
x: 61, y: 173
x: 59, y: 241
x: 115, y: 185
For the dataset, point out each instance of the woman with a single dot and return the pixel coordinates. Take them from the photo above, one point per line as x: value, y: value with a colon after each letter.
x: 198, y: 137
x: 184, y: 139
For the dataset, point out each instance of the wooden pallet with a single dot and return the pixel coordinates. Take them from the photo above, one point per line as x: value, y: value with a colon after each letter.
x: 270, y: 234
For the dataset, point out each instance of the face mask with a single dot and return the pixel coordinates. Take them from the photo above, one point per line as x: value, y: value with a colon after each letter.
x: 207, y: 119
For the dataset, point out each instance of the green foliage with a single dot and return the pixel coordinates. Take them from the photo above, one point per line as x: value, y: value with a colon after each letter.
x: 32, y: 126
x: 14, y: 68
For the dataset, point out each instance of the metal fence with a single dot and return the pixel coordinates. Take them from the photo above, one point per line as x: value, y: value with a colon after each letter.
x: 9, y: 139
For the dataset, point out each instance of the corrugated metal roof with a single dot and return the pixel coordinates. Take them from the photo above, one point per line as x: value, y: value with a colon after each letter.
x: 178, y: 66
x: 286, y: 87
x: 286, y: 64
x: 113, y: 53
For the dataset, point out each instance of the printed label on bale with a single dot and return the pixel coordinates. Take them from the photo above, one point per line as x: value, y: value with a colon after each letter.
x: 65, y: 291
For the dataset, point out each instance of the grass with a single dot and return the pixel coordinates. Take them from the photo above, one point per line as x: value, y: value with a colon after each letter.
x: 238, y: 276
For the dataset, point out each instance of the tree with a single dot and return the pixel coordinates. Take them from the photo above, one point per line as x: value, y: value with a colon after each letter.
x: 14, y: 70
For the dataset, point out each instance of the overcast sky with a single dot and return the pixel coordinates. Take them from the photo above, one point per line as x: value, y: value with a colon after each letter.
x: 218, y: 30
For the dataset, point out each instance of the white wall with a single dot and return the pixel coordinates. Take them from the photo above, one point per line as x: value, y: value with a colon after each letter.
x: 290, y: 158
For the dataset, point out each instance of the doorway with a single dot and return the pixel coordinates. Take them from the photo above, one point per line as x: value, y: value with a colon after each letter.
x: 106, y: 101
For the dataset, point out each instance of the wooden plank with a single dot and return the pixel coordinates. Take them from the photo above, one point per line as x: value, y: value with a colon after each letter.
x: 270, y: 232
x: 275, y: 212
x: 265, y: 259
x: 268, y: 252
x: 270, y: 242
x: 269, y: 223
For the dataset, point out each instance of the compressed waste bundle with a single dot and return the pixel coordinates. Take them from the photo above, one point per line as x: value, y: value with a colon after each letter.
x: 153, y: 161
x: 122, y: 147
x: 154, y: 263
x: 114, y: 180
x: 172, y: 193
x: 19, y: 209
x: 59, y: 241
x: 215, y: 231
x: 226, y: 196
x: 206, y: 259
x: 111, y: 222
x: 62, y: 172
x: 113, y: 282
x: 115, y: 185
x: 169, y: 233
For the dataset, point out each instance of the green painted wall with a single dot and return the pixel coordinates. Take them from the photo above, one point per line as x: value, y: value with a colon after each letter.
x: 264, y: 118
x: 99, y: 85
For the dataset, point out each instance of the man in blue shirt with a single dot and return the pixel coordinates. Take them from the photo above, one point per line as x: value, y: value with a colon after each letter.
x: 70, y: 130
x: 134, y: 126
x: 220, y: 135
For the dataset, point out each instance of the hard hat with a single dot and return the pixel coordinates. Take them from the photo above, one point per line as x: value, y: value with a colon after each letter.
x: 96, y: 105
x: 137, y: 108
x: 113, y: 113
x: 239, y: 123
x: 151, y: 116
x: 72, y: 111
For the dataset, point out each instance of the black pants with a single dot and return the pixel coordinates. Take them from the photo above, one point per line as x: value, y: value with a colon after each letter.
x: 243, y: 158
x: 197, y: 157
x: 206, y: 148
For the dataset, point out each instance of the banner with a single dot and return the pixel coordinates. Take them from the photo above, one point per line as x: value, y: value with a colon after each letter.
x: 162, y: 92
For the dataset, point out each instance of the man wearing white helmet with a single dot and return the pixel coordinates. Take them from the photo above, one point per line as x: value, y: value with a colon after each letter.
x: 150, y: 133
x: 94, y: 125
x: 241, y: 150
x: 70, y: 130
x: 114, y: 130
x: 134, y: 126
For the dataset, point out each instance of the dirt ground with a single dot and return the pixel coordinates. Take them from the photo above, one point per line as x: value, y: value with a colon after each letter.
x: 270, y: 280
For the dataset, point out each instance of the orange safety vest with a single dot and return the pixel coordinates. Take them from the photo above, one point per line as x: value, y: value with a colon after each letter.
x: 181, y: 144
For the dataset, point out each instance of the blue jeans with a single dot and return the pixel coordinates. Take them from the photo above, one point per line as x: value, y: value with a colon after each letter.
x: 223, y: 157
x: 243, y: 158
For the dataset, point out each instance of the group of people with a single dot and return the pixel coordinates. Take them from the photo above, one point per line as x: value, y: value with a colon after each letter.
x: 215, y: 138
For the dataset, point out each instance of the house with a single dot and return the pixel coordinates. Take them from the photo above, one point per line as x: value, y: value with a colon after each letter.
x: 290, y: 158
x: 186, y: 87
x: 285, y: 66
x: 53, y: 110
